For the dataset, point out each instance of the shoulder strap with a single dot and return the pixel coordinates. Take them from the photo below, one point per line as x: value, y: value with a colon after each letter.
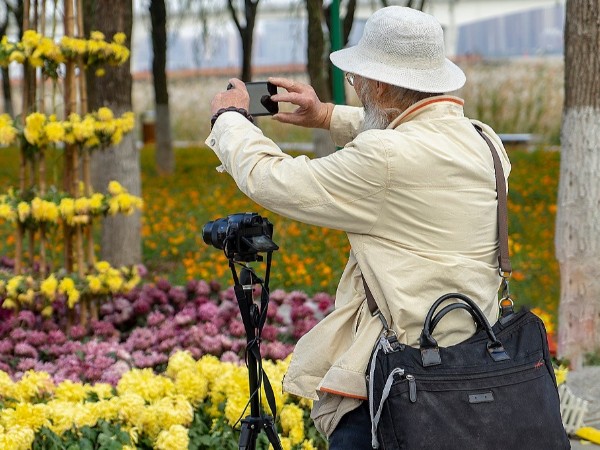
x: 504, y: 258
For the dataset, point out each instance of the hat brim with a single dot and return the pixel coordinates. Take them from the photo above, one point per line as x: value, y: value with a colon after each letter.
x: 447, y: 78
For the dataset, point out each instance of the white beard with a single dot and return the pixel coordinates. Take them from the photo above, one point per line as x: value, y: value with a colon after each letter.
x: 375, y: 119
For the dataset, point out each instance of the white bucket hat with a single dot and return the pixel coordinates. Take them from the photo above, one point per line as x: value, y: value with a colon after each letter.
x: 403, y: 47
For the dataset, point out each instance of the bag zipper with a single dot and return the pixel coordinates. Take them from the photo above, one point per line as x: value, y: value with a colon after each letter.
x: 412, y: 381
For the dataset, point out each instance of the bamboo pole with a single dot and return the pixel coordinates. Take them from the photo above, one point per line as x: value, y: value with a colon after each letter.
x: 42, y: 154
x: 42, y: 88
x: 43, y: 238
x: 70, y: 105
x: 86, y: 166
x: 23, y: 159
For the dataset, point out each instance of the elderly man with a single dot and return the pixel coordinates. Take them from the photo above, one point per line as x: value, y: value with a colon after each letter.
x: 413, y: 188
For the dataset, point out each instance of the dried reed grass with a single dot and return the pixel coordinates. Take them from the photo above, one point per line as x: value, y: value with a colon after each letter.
x: 523, y: 96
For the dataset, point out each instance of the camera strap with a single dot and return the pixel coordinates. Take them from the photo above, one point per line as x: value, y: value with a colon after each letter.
x: 254, y: 318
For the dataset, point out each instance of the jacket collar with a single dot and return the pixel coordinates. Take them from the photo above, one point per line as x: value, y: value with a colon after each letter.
x: 431, y: 108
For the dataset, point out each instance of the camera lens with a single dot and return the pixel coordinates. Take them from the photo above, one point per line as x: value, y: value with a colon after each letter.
x: 215, y: 232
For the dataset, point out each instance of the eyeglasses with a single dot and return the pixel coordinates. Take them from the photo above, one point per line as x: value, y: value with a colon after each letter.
x: 350, y: 78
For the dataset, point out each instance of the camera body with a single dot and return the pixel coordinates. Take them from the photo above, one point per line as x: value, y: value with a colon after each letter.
x: 241, y: 236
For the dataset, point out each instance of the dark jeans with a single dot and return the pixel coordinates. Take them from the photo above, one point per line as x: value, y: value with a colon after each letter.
x: 354, y: 430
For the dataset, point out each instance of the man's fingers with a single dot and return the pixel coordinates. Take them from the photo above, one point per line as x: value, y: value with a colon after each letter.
x: 289, y: 97
x: 287, y: 84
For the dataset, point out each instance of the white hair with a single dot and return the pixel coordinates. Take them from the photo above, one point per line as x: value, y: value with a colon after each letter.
x: 379, y: 117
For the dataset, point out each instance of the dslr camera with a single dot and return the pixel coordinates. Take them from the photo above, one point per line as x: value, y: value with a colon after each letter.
x: 241, y: 236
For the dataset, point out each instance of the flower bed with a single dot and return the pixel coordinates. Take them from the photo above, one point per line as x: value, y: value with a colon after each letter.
x: 194, y: 404
x: 161, y: 368
x: 144, y: 327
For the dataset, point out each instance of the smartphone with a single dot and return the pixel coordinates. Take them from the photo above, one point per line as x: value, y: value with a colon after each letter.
x: 260, y: 98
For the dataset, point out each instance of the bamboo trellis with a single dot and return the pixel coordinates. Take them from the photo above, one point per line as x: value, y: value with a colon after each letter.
x: 78, y: 238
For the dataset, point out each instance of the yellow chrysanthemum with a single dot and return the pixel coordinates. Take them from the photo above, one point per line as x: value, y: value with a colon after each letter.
x: 105, y: 114
x: 23, y: 211
x: 166, y: 412
x: 67, y: 208
x: 17, y: 56
x: 69, y: 391
x: 83, y: 129
x: 308, y: 445
x: 286, y: 443
x: 175, y: 438
x: 7, y: 386
x: 115, y: 188
x: 14, y: 286
x: 145, y: 383
x: 97, y: 35
x: 7, y: 212
x: 8, y: 133
x: 104, y: 391
x: 44, y: 211
x: 94, y: 284
x: 119, y: 38
x: 25, y: 415
x: 102, y: 266
x: 82, y: 205
x: 66, y: 285
x: 31, y: 385
x: 72, y: 298
x: 34, y: 128
x: 17, y: 438
x: 181, y: 360
x: 48, y: 287
x: 561, y: 374
x: 292, y: 422
x: 55, y: 132
x: 192, y: 386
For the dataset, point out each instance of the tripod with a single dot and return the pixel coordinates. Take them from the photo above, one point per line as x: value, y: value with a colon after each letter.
x: 253, y: 318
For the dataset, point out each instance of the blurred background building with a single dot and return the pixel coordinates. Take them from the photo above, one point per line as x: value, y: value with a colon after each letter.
x: 474, y: 29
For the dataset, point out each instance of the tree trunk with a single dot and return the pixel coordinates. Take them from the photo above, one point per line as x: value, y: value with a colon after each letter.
x: 7, y: 92
x: 578, y: 217
x: 246, y: 32
x: 121, y: 235
x: 164, y: 157
x: 6, y: 89
x: 317, y: 65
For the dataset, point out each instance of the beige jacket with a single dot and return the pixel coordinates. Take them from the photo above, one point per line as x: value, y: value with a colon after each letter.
x: 418, y: 203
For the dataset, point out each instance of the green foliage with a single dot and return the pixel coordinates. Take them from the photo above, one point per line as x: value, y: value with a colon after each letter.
x: 206, y: 435
x: 102, y: 436
x: 592, y: 359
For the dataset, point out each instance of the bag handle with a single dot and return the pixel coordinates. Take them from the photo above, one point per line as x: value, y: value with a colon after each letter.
x: 430, y: 352
x: 505, y: 267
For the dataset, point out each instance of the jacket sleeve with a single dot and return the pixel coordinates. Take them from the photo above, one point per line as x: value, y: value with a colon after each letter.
x: 345, y: 123
x: 343, y: 190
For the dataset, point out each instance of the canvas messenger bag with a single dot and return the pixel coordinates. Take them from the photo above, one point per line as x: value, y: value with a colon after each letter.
x: 496, y: 390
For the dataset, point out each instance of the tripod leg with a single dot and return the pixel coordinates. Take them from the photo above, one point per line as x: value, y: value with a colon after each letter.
x: 248, y: 434
x: 271, y: 433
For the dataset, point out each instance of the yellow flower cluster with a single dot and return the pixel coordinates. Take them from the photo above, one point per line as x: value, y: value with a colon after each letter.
x: 8, y: 132
x: 72, y: 211
x: 95, y: 130
x: 42, y: 51
x: 22, y: 291
x: 160, y: 407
